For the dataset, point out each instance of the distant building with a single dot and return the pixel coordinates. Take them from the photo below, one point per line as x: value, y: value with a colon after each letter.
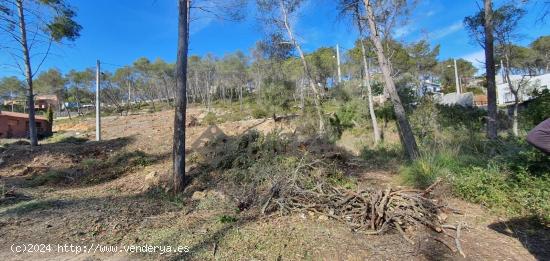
x: 480, y: 100
x: 428, y: 87
x: 505, y: 96
x: 16, y: 125
x: 42, y: 102
x: 10, y: 102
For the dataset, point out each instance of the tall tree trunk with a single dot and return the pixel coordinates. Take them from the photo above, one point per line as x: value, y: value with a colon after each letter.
x: 302, y: 103
x: 366, y: 82
x: 514, y: 92
x: 33, y: 135
x: 181, y: 98
x: 490, y: 72
x: 406, y: 134
x: 515, y: 125
x: 241, y: 97
x: 317, y: 97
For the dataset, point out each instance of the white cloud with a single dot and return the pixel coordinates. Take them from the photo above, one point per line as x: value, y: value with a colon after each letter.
x: 476, y: 58
x: 199, y: 24
x: 403, y: 31
x: 430, y: 13
x: 447, y: 30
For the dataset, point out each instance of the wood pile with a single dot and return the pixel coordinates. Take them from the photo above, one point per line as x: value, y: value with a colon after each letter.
x: 370, y: 212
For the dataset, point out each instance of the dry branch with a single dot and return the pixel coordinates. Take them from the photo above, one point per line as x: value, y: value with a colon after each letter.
x: 370, y: 212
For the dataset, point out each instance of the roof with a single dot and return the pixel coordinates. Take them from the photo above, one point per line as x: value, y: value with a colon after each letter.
x: 20, y: 115
x: 46, y: 97
x: 480, y: 98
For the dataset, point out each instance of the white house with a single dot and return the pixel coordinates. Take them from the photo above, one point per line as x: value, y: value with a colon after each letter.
x: 504, y: 94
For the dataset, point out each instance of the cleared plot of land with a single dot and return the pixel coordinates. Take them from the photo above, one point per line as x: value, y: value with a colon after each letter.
x: 70, y: 190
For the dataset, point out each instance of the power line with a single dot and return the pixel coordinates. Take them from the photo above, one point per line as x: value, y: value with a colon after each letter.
x: 113, y: 64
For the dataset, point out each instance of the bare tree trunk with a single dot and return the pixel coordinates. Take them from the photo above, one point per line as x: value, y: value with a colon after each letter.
x: 514, y: 92
x: 406, y: 134
x: 490, y: 72
x: 366, y: 82
x: 302, y: 103
x: 33, y: 135
x: 181, y: 98
x: 259, y: 84
x: 241, y: 97
x: 208, y: 97
x: 317, y: 98
x: 515, y: 125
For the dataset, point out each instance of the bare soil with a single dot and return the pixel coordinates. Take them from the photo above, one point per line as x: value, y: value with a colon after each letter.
x: 121, y: 201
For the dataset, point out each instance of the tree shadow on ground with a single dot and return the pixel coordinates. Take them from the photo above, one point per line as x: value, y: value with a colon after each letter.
x: 534, y: 236
x: 212, y: 241
x: 71, y: 148
x: 73, y: 163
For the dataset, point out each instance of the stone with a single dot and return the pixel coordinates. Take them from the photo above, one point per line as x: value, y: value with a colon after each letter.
x: 198, y: 195
x: 151, y: 176
x: 216, y: 194
x: 323, y: 218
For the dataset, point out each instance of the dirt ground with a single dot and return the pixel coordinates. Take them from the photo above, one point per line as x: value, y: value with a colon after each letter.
x: 122, y: 204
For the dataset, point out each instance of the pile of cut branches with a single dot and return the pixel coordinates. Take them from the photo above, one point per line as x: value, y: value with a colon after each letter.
x: 370, y: 211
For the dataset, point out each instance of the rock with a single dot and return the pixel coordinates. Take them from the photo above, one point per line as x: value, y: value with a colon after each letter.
x: 151, y: 176
x: 191, y: 167
x: 442, y: 216
x: 215, y: 194
x: 198, y: 195
x: 303, y: 216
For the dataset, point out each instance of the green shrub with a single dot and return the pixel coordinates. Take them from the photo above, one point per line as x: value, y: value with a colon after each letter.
x: 49, y: 114
x: 348, y: 114
x: 486, y: 186
x: 515, y: 193
x: 52, y: 177
x: 424, y: 121
x: 277, y: 97
x: 538, y: 110
x: 425, y: 170
x: 335, y: 128
x: 470, y: 118
x: 227, y: 219
x: 514, y: 180
x: 340, y: 94
x: 90, y: 164
x: 210, y: 119
x: 259, y: 113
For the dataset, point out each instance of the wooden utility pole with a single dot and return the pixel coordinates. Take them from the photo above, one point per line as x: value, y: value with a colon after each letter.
x: 97, y: 102
x: 11, y: 98
x: 457, y: 80
x: 338, y: 61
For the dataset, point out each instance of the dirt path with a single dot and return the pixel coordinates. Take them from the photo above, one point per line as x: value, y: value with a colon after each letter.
x: 127, y: 209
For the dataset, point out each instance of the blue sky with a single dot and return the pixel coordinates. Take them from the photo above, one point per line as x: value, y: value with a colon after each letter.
x: 120, y: 31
